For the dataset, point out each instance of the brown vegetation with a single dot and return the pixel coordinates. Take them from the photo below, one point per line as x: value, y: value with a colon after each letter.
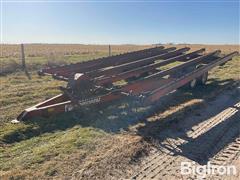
x: 37, y: 50
x: 82, y: 146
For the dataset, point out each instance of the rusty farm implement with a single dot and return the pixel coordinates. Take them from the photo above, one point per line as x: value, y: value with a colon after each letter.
x: 146, y: 75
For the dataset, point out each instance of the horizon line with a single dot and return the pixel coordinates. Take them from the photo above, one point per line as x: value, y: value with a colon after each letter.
x: 136, y: 44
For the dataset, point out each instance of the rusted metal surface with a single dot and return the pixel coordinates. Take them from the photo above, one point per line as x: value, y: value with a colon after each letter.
x: 113, y: 61
x: 131, y: 65
x: 143, y: 69
x: 97, y: 81
x: 163, y: 90
x: 49, y: 107
x: 182, y: 66
x: 105, y: 61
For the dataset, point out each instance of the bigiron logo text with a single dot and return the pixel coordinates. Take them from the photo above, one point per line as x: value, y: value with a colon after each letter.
x: 191, y: 168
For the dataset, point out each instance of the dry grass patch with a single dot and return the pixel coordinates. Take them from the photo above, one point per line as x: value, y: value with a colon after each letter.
x: 84, y: 147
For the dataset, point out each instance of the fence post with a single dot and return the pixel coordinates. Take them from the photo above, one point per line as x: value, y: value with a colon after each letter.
x: 24, y: 68
x: 109, y: 50
x: 23, y: 58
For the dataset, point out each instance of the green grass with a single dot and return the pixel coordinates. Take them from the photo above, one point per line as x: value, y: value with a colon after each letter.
x: 18, y: 92
x: 32, y: 144
x: 32, y: 152
x: 230, y: 70
x: 28, y: 145
x: 170, y: 65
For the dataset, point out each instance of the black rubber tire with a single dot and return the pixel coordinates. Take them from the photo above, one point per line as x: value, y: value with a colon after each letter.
x: 203, y: 79
x: 193, y: 83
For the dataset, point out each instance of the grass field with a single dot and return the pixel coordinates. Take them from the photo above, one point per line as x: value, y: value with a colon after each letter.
x: 59, y: 146
x: 40, y: 55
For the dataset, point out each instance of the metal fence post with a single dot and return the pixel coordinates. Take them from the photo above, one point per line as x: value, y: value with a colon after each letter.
x: 109, y: 50
x: 23, y: 58
x: 24, y: 68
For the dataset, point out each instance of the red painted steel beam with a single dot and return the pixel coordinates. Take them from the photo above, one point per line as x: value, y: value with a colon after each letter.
x: 181, y: 66
x: 138, y: 71
x: 112, y: 62
x: 128, y: 66
x: 98, y: 63
x: 49, y: 107
x: 144, y: 86
x: 61, y: 103
x: 163, y: 90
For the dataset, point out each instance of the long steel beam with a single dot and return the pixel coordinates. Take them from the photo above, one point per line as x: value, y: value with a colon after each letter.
x: 151, y: 88
x: 112, y: 59
x: 135, y: 64
x: 140, y: 83
x: 140, y: 70
x: 181, y: 66
x: 106, y: 63
x: 163, y: 90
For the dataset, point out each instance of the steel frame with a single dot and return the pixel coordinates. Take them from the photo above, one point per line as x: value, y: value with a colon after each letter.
x: 140, y: 71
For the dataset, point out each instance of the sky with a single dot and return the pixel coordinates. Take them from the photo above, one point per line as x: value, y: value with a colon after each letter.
x: 125, y: 22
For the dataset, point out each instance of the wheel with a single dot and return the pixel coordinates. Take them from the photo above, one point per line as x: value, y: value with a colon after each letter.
x: 203, y: 79
x: 193, y: 83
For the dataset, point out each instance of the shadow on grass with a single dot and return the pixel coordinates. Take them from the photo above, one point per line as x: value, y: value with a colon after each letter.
x: 202, y: 148
x: 118, y: 116
x: 200, y: 151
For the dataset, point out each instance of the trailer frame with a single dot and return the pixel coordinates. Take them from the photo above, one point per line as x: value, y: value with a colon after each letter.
x: 92, y: 82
